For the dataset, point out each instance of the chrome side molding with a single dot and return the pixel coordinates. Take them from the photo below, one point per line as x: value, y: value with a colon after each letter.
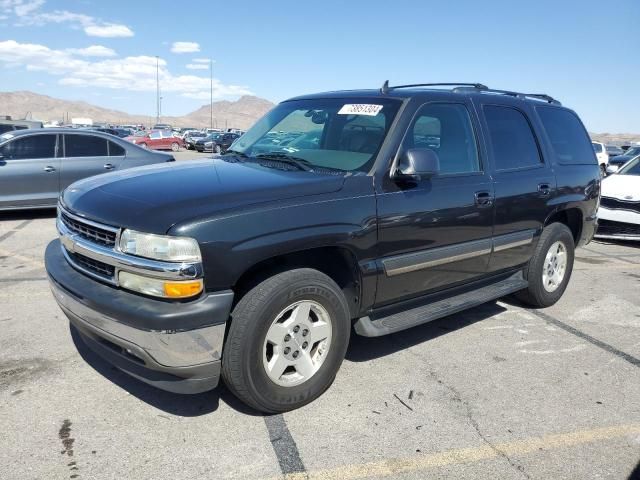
x: 414, y: 261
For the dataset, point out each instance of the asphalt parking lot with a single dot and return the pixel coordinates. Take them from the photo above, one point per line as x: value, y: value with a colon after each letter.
x: 497, y: 392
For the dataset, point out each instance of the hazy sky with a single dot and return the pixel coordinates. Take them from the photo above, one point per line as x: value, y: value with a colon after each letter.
x: 583, y: 52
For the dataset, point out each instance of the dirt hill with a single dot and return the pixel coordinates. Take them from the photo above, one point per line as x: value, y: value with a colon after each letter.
x: 239, y: 114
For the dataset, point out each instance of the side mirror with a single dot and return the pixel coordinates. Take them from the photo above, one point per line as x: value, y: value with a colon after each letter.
x: 612, y: 168
x: 417, y: 163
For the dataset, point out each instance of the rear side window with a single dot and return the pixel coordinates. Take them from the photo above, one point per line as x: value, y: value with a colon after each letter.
x: 33, y: 146
x: 446, y: 129
x: 513, y: 142
x: 597, y: 147
x: 85, y: 146
x: 568, y: 137
x: 115, y: 150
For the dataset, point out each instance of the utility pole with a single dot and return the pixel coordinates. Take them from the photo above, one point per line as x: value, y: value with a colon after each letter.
x: 211, y: 93
x: 157, y: 89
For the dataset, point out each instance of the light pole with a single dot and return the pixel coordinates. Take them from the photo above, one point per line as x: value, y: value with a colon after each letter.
x: 157, y: 89
x: 211, y: 93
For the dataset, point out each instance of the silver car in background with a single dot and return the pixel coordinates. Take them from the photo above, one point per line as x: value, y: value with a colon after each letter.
x: 36, y: 165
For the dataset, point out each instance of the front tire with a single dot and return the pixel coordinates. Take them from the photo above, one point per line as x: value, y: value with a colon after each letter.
x: 287, y: 339
x: 175, y: 147
x: 218, y: 149
x: 550, y: 267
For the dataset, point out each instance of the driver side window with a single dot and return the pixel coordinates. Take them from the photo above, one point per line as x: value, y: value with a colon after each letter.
x: 447, y: 130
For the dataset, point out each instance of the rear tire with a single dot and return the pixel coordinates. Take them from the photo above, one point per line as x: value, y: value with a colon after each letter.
x: 256, y: 365
x: 144, y: 145
x: 550, y: 267
x: 175, y: 147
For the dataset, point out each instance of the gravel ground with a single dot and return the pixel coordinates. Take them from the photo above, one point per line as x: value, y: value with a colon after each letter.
x: 500, y: 391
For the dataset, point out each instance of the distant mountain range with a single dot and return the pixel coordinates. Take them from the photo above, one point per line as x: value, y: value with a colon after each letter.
x: 239, y: 114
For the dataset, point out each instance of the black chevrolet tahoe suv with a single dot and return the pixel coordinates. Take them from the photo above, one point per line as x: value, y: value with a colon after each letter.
x: 390, y: 208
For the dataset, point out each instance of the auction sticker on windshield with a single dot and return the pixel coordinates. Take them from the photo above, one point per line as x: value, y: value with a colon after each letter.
x: 360, y: 109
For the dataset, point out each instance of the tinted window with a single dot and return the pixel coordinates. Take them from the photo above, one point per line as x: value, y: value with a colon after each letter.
x: 513, y: 142
x: 446, y: 129
x: 33, y: 146
x: 115, y: 150
x: 568, y: 137
x: 84, y: 146
x: 597, y: 147
x: 6, y: 128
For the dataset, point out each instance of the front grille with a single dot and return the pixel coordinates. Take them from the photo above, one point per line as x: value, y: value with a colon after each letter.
x: 616, y: 204
x: 607, y: 227
x: 99, y: 268
x: 88, y: 231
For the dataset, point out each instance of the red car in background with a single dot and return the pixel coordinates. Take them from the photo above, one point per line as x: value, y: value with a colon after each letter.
x: 157, y: 140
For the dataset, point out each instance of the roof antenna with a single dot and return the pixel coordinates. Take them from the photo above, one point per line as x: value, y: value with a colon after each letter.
x: 385, y: 87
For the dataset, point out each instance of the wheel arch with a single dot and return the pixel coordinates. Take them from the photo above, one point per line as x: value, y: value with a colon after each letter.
x: 572, y: 217
x: 337, y: 262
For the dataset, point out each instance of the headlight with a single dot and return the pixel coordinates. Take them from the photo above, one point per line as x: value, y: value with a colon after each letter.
x: 160, y: 247
x: 158, y: 287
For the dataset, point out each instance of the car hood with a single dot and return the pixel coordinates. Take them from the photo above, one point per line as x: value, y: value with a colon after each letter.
x: 623, y: 187
x: 156, y: 197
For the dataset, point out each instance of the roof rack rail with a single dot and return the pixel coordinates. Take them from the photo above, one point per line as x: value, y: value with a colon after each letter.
x: 523, y: 96
x: 386, y: 88
x: 472, y: 87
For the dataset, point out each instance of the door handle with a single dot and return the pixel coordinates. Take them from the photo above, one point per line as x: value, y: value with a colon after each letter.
x: 483, y: 199
x: 109, y: 166
x: 49, y: 169
x: 544, y: 189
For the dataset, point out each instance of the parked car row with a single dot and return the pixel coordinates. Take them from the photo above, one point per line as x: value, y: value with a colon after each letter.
x: 611, y: 157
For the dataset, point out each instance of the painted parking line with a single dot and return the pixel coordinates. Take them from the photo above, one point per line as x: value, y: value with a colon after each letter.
x: 417, y: 463
x: 19, y: 227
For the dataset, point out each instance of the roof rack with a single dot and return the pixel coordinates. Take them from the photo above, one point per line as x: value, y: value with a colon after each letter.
x: 473, y: 87
x: 523, y: 96
x: 386, y: 88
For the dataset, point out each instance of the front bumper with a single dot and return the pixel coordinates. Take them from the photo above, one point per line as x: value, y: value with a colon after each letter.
x: 618, y: 224
x: 142, y: 336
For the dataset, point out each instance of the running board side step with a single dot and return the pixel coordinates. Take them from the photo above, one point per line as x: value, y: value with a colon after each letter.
x: 368, y: 327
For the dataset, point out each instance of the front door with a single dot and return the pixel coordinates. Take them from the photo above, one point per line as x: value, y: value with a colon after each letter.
x: 29, y: 171
x: 436, y: 233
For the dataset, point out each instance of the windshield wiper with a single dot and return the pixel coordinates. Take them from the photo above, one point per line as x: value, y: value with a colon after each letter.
x: 235, y: 152
x: 301, y: 163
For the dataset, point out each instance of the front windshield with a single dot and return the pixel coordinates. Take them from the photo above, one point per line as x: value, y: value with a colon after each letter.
x: 342, y: 134
x: 632, y: 167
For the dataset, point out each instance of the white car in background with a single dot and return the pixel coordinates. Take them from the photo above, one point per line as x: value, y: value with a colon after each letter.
x: 601, y: 154
x: 619, y: 212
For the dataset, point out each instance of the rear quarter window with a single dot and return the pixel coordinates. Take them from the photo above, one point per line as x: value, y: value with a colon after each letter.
x: 569, y: 140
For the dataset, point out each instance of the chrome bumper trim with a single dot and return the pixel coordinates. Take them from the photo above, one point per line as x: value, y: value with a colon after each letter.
x: 171, y: 350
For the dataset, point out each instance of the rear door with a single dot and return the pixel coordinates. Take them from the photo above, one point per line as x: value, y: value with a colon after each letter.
x: 86, y: 155
x: 29, y: 171
x: 524, y: 181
